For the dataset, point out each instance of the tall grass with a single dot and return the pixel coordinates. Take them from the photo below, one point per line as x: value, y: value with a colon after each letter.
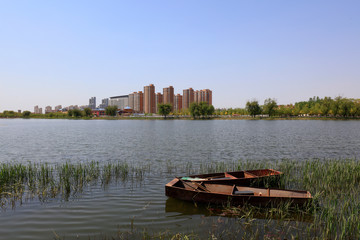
x: 334, y: 213
x: 20, y: 182
x: 334, y: 183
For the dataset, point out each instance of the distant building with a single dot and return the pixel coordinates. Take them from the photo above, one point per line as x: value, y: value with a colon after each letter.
x: 138, y: 102
x: 104, y: 103
x: 132, y: 100
x: 40, y: 111
x: 98, y: 112
x: 120, y: 101
x: 92, y: 102
x: 71, y: 107
x: 58, y: 108
x: 188, y: 98
x: 206, y: 96
x: 178, y: 103
x: 158, y: 100
x: 36, y: 109
x: 149, y: 99
x: 197, y: 96
x: 48, y: 109
x: 168, y: 96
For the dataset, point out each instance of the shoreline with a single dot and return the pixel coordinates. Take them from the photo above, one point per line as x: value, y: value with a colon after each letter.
x: 188, y: 118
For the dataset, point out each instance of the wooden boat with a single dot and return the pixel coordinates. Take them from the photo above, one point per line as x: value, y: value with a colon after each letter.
x: 220, y: 194
x: 257, y: 178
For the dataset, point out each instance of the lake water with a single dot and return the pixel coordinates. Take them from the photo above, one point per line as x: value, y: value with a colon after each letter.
x: 166, y: 146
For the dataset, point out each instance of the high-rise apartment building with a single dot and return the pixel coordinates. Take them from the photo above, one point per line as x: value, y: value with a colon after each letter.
x: 188, y: 98
x: 131, y: 100
x: 149, y: 99
x: 48, y: 109
x: 197, y: 96
x: 158, y: 100
x: 92, y: 103
x: 168, y: 96
x: 36, y: 109
x: 178, y: 102
x: 206, y: 96
x: 104, y: 103
x: 139, y: 102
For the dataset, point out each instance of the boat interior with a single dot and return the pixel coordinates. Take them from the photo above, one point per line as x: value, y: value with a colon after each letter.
x: 240, y: 190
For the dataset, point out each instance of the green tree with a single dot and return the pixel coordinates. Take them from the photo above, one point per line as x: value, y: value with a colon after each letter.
x: 111, y: 110
x: 88, y: 112
x: 75, y: 113
x: 253, y: 108
x: 206, y: 109
x: 26, y: 114
x: 326, y: 106
x: 345, y: 107
x: 195, y: 110
x: 270, y: 106
x: 164, y: 109
x: 335, y: 106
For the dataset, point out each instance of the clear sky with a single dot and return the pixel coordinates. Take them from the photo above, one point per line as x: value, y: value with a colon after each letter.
x: 64, y: 52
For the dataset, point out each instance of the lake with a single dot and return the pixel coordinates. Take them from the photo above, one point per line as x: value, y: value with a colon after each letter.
x: 169, y: 148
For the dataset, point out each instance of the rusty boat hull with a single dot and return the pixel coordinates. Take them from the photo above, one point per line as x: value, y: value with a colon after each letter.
x: 220, y: 194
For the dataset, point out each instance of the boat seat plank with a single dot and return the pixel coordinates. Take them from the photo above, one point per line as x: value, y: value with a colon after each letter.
x: 249, y: 175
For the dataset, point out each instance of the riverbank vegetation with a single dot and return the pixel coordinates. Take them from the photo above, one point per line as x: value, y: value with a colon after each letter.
x: 334, y: 184
x: 42, y: 181
x: 314, y: 108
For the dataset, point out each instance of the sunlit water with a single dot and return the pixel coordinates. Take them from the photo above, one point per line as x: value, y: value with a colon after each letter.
x: 143, y: 205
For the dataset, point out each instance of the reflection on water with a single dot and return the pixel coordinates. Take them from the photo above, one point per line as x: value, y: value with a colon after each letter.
x: 166, y: 147
x: 185, y: 208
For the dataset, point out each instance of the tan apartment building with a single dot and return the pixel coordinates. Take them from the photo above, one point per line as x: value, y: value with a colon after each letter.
x: 132, y: 100
x: 178, y: 102
x: 188, y: 98
x: 138, y: 102
x: 149, y: 99
x: 48, y: 109
x: 168, y: 96
x: 197, y: 96
x: 158, y: 100
x: 206, y: 96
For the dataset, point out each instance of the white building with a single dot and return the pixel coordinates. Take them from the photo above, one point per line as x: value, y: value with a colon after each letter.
x: 120, y: 101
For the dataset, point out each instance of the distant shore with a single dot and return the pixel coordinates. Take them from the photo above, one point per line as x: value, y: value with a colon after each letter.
x: 176, y: 117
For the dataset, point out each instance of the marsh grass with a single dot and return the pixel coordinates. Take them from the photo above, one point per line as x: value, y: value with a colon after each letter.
x: 333, y: 214
x: 334, y: 184
x: 21, y: 182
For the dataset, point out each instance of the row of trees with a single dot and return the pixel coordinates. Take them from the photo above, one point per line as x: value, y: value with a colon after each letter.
x: 196, y: 110
x: 327, y: 107
x: 337, y: 107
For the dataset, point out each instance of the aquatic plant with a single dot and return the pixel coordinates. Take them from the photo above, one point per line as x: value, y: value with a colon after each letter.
x: 19, y: 182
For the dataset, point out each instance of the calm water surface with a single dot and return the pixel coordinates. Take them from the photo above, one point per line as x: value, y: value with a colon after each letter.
x: 156, y: 143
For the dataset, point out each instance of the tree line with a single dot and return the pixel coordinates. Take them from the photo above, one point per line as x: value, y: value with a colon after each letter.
x: 196, y: 110
x: 321, y: 107
x: 315, y: 106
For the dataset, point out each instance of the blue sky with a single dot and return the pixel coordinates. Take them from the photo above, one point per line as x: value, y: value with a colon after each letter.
x: 64, y: 52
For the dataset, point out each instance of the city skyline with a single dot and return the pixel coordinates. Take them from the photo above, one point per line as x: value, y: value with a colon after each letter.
x: 63, y: 52
x: 141, y: 104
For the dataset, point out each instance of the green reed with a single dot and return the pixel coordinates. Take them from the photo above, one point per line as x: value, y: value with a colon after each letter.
x: 334, y: 184
x: 334, y: 213
x: 20, y: 182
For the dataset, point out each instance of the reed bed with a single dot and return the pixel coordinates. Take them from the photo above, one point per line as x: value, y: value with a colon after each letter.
x: 334, y: 213
x: 334, y: 184
x: 21, y: 182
